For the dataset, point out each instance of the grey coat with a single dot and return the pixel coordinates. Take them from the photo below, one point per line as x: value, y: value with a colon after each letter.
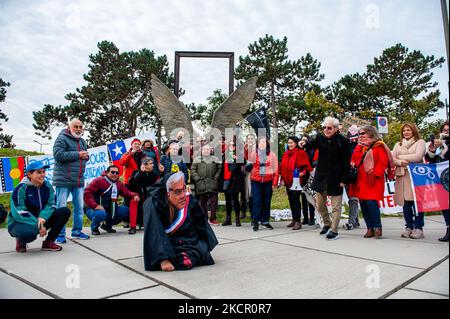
x: 206, y: 176
x: 69, y: 167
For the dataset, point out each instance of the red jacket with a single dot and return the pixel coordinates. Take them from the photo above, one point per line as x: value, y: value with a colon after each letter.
x: 98, y: 186
x: 369, y: 187
x: 129, y: 164
x: 291, y: 160
x: 271, y: 174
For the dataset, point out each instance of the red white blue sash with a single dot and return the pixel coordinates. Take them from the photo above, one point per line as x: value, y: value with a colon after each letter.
x: 182, y: 214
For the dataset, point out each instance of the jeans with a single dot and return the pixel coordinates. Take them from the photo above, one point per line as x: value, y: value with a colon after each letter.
x: 261, y: 199
x: 307, y: 206
x: 371, y: 213
x: 409, y: 213
x: 62, y: 193
x: 353, y: 211
x: 98, y: 216
x: 26, y: 233
x: 294, y: 203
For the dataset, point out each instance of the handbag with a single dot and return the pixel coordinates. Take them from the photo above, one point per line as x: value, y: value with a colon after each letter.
x: 353, y: 173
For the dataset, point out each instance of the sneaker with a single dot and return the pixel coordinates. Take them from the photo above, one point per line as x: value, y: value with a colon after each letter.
x: 325, y: 230
x: 267, y: 225
x: 417, y: 234
x: 407, y: 232
x: 95, y: 231
x: 21, y: 248
x: 80, y: 236
x: 332, y: 235
x: 61, y: 240
x: 214, y: 222
x: 132, y: 231
x: 107, y: 229
x: 50, y: 246
x: 348, y: 226
x: 255, y: 227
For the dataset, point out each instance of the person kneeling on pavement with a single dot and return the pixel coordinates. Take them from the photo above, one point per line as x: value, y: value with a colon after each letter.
x: 33, y: 210
x: 177, y: 234
x: 100, y: 197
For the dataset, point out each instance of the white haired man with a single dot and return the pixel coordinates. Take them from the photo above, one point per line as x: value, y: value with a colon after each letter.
x: 71, y: 156
x: 177, y: 235
x: 331, y: 174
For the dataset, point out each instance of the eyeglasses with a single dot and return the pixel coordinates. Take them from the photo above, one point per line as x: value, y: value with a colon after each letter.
x: 114, y: 172
x: 327, y: 128
x: 362, y: 133
x: 178, y: 192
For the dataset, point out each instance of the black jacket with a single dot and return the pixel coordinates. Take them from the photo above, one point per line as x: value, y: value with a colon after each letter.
x: 333, y: 164
x: 194, y: 239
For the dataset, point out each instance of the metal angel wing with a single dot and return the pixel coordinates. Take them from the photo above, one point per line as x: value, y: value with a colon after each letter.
x: 173, y: 113
x: 233, y: 109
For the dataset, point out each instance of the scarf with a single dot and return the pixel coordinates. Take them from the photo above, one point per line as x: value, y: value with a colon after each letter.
x: 114, y: 194
x: 369, y: 162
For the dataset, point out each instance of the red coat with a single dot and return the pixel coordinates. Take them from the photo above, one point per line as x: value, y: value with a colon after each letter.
x: 98, y: 186
x: 291, y: 160
x: 271, y: 165
x: 129, y: 164
x: 369, y: 187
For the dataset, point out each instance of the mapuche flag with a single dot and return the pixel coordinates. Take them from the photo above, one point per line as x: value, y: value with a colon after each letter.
x: 430, y: 186
x: 11, y: 172
x: 258, y: 119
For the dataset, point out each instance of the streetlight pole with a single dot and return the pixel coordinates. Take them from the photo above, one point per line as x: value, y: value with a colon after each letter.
x: 40, y: 150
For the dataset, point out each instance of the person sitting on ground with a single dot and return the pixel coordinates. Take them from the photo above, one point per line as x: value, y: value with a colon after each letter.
x: 100, y: 197
x: 140, y: 182
x: 33, y: 210
x: 177, y: 234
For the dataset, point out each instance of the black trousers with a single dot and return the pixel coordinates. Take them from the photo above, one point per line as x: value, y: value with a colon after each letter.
x: 307, y: 206
x: 26, y: 233
x: 294, y: 202
x: 232, y: 199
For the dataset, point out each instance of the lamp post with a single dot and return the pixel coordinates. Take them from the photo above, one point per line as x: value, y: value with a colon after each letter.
x: 40, y: 150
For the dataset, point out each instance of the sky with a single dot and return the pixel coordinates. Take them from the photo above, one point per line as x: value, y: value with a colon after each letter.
x: 45, y: 44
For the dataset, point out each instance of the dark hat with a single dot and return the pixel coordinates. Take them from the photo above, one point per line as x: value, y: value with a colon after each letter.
x: 35, y: 165
x: 166, y: 146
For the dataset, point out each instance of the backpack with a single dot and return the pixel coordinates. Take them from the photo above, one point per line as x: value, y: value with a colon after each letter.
x: 3, y: 214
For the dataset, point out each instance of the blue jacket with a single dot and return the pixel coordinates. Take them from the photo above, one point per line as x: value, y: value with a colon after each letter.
x: 29, y: 202
x: 69, y: 167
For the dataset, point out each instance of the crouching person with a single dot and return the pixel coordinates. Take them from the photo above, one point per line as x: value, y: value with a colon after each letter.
x: 177, y: 234
x: 100, y: 197
x: 33, y: 210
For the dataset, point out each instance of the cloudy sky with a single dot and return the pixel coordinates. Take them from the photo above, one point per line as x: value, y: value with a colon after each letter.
x: 45, y: 45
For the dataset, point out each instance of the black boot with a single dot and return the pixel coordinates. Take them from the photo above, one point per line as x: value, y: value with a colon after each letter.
x: 227, y: 221
x: 445, y: 238
x: 238, y: 220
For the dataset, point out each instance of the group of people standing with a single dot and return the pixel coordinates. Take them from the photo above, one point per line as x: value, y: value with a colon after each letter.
x: 358, y: 163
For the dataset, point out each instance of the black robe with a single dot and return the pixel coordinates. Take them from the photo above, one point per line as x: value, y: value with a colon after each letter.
x: 190, y: 245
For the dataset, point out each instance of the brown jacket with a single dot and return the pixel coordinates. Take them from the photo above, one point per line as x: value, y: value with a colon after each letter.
x: 412, y: 151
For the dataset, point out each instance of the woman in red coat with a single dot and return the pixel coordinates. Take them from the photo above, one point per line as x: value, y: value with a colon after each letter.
x: 369, y: 186
x: 294, y: 158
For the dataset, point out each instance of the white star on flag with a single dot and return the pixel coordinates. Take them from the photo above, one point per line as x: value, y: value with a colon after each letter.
x: 118, y: 150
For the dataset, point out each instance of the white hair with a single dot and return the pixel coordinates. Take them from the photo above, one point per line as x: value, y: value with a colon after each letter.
x: 72, y: 121
x: 332, y: 120
x: 174, y: 179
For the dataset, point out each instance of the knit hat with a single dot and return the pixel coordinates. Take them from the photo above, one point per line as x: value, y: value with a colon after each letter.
x: 135, y: 140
